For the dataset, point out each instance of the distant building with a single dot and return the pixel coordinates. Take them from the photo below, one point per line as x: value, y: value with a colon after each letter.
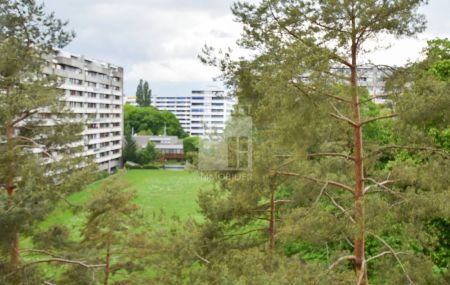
x: 202, y: 113
x: 131, y: 100
x: 371, y: 77
x: 170, y: 146
x: 94, y: 92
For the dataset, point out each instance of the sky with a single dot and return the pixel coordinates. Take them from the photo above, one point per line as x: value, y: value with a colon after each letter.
x: 160, y: 40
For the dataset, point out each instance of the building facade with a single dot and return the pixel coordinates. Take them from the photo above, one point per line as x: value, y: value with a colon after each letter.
x: 131, y: 100
x: 94, y: 92
x: 171, y: 147
x: 371, y: 77
x: 203, y: 113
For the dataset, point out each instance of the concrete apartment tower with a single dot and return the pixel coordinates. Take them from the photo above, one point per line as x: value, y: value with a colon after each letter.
x: 202, y: 113
x: 94, y: 92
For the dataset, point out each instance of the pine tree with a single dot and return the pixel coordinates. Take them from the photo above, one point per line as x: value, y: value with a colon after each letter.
x: 37, y: 168
x: 113, y: 229
x: 305, y: 93
x: 130, y: 149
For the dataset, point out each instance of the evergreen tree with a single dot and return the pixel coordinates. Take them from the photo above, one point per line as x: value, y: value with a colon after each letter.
x: 113, y: 231
x: 37, y: 168
x: 140, y: 93
x: 130, y: 149
x: 353, y: 177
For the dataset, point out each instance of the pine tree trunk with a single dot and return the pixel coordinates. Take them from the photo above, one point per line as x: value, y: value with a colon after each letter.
x: 359, y: 171
x: 272, y: 230
x: 107, y: 262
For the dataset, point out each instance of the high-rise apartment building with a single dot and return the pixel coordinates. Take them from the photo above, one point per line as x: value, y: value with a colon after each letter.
x: 202, y: 113
x: 94, y: 92
x: 371, y: 77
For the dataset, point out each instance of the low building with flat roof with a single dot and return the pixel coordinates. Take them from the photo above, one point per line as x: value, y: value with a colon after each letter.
x: 170, y: 146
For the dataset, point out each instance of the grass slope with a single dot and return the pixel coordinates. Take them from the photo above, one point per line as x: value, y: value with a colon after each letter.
x: 173, y: 192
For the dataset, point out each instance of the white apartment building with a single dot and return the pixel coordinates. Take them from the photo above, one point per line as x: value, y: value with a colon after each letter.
x: 131, y: 100
x: 202, y: 113
x: 94, y: 92
x: 371, y: 77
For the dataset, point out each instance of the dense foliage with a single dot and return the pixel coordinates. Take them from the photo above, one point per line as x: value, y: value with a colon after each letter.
x: 143, y: 94
x: 37, y: 166
x: 149, y: 119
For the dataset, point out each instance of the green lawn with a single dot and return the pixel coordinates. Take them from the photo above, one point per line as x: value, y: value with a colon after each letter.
x: 174, y: 192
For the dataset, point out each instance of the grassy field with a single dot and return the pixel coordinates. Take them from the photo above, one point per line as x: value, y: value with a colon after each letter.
x: 174, y: 192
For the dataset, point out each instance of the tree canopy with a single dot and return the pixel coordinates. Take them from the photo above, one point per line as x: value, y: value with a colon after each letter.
x: 144, y: 119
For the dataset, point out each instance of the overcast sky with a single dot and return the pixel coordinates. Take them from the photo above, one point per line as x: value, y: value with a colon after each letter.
x: 159, y: 40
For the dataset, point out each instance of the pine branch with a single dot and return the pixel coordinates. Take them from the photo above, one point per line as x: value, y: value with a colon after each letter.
x: 336, y: 204
x: 381, y: 185
x: 333, y: 56
x: 62, y: 260
x: 202, y: 258
x: 330, y: 182
x: 395, y: 256
x: 24, y: 116
x: 331, y: 154
x: 378, y: 118
x: 340, y: 259
x: 345, y: 119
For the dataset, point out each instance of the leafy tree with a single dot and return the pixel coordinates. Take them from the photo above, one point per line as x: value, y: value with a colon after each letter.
x: 37, y: 168
x: 190, y: 147
x: 302, y: 86
x: 150, y: 119
x: 147, y: 154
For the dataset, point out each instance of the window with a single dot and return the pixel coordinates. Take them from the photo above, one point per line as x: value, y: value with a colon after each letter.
x: 92, y: 146
x: 92, y: 95
x: 92, y: 105
x: 75, y: 81
x: 76, y: 93
x: 198, y: 98
x: 91, y: 84
x: 197, y: 110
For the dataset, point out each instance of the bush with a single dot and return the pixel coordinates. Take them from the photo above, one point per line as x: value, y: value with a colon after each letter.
x: 101, y: 175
